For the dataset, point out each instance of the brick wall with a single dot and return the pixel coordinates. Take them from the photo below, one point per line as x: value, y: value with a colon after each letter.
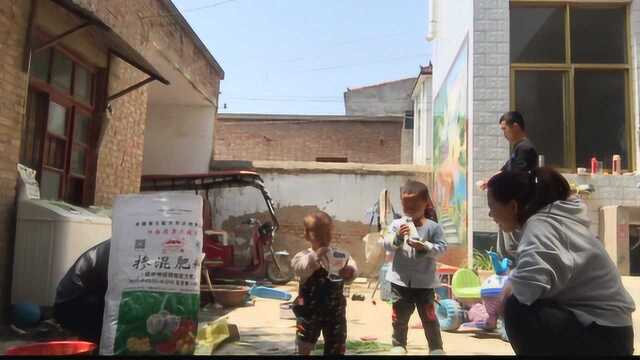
x: 374, y: 142
x: 490, y: 79
x: 13, y: 82
x: 120, y: 158
x: 407, y: 146
x: 119, y: 165
x: 149, y: 27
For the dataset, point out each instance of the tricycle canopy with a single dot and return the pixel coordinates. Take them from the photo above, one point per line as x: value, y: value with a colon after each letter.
x: 208, y: 181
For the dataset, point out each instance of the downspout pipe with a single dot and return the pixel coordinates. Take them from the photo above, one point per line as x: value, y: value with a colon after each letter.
x: 431, y: 32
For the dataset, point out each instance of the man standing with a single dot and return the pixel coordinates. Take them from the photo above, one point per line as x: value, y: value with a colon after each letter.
x: 522, y: 157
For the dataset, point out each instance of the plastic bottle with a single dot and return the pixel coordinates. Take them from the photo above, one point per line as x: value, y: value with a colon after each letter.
x: 413, y: 232
x: 594, y: 165
x: 616, y: 167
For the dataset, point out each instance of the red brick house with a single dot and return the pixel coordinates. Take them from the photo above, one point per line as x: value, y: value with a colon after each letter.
x: 78, y: 80
x: 324, y: 138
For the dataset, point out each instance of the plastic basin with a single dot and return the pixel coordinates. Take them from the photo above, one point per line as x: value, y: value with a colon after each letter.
x: 54, y: 348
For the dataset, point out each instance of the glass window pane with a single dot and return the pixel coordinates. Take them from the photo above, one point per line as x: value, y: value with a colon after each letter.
x: 537, y: 34
x: 540, y: 99
x: 54, y: 152
x: 598, y: 35
x: 82, y: 85
x: 61, y: 71
x: 81, y: 128
x: 600, y: 117
x: 78, y: 161
x: 75, y: 191
x: 32, y: 135
x: 40, y: 64
x: 57, y: 123
x: 50, y: 185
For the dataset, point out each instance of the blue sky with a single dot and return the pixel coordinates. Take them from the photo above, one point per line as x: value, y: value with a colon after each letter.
x: 299, y: 56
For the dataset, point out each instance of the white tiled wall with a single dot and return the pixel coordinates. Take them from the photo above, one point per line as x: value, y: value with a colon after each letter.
x: 610, y: 190
x: 490, y: 100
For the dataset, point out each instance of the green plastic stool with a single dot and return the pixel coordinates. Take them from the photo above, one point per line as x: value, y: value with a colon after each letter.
x: 465, y: 285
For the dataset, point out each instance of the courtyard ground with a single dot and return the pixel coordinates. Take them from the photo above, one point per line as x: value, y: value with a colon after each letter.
x: 263, y: 332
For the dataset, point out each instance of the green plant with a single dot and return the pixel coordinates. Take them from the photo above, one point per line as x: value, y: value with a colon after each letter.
x: 481, y: 261
x: 357, y: 347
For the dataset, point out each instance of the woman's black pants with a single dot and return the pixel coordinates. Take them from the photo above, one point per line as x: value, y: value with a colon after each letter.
x: 546, y: 328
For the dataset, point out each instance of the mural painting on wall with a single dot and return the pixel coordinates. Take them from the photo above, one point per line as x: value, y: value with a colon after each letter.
x: 450, y: 149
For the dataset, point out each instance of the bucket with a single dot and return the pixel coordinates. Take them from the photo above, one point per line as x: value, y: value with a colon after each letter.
x: 54, y: 348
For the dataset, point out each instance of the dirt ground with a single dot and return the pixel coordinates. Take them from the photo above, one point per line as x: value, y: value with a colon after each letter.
x: 262, y: 331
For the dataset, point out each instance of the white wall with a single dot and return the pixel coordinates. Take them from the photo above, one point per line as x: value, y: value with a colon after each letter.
x: 346, y: 197
x: 178, y: 139
x: 423, y: 122
x: 345, y: 191
x: 454, y: 21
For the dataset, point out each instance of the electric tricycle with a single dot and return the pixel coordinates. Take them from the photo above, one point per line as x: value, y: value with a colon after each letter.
x: 244, y: 251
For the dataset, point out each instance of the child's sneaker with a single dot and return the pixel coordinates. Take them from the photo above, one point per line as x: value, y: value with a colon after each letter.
x: 438, y: 352
x: 398, y: 350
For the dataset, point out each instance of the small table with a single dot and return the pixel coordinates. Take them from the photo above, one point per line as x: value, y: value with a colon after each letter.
x: 445, y: 272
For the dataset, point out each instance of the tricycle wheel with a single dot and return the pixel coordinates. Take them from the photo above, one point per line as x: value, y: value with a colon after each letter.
x: 449, y: 315
x: 282, y: 275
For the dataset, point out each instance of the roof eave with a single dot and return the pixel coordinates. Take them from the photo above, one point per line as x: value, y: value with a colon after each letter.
x: 212, y: 60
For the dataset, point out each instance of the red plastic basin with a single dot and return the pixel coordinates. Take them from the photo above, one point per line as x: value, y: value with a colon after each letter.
x: 53, y: 348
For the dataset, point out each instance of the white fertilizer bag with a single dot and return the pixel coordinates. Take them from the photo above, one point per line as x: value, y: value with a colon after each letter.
x: 152, y: 303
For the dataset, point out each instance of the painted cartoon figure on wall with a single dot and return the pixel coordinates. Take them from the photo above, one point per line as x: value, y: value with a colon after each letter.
x: 450, y: 149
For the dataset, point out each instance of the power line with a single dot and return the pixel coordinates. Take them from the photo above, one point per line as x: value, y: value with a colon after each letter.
x: 210, y: 6
x: 311, y: 100
x: 329, y: 46
x: 382, y: 61
x: 190, y: 10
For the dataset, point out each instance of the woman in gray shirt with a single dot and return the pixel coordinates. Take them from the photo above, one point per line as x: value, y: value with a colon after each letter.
x: 565, y: 295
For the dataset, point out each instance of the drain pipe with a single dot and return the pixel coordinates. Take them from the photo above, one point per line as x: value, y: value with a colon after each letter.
x: 431, y: 32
